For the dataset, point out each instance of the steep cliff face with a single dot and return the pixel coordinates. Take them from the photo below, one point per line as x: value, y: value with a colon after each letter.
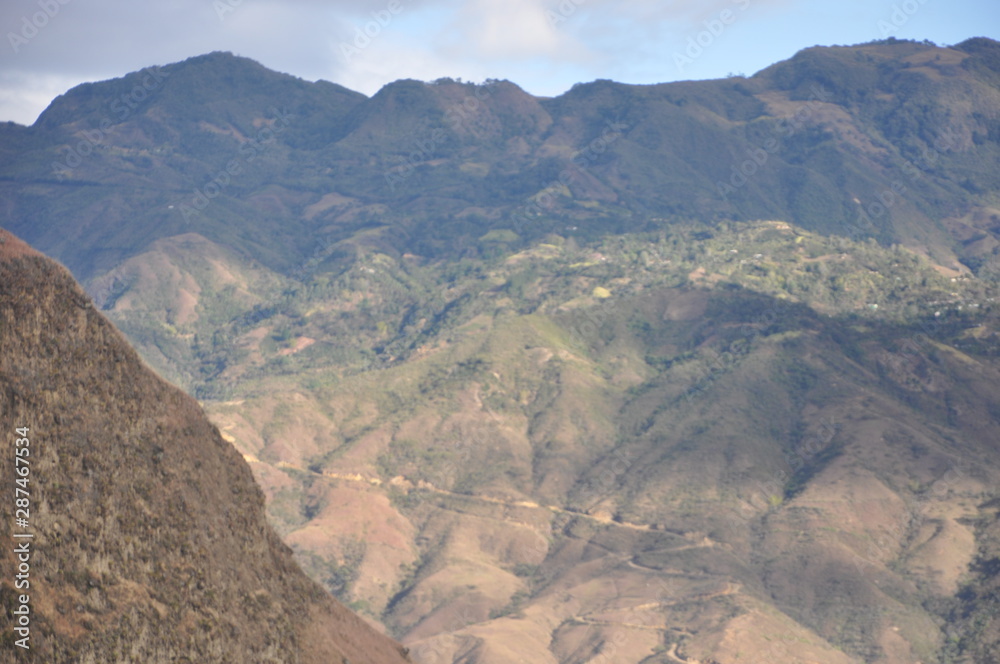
x: 148, y: 536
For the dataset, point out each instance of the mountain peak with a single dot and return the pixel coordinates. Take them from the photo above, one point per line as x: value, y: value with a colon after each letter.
x: 187, y: 89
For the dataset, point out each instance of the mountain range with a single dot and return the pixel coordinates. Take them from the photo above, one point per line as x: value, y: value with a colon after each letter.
x: 701, y: 371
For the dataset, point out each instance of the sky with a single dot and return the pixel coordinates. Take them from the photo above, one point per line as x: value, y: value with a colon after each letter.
x: 544, y: 46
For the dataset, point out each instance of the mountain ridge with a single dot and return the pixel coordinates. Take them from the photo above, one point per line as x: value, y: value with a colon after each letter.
x: 863, y: 163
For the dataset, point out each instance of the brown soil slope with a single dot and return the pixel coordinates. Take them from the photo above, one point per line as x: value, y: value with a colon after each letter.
x: 149, y: 537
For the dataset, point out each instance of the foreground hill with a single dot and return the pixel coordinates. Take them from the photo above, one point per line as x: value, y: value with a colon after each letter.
x: 149, y: 537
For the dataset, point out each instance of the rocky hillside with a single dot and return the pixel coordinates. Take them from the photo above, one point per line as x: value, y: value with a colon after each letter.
x: 149, y: 541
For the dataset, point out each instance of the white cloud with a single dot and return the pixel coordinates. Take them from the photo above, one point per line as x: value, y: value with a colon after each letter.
x: 507, y: 29
x: 389, y: 61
